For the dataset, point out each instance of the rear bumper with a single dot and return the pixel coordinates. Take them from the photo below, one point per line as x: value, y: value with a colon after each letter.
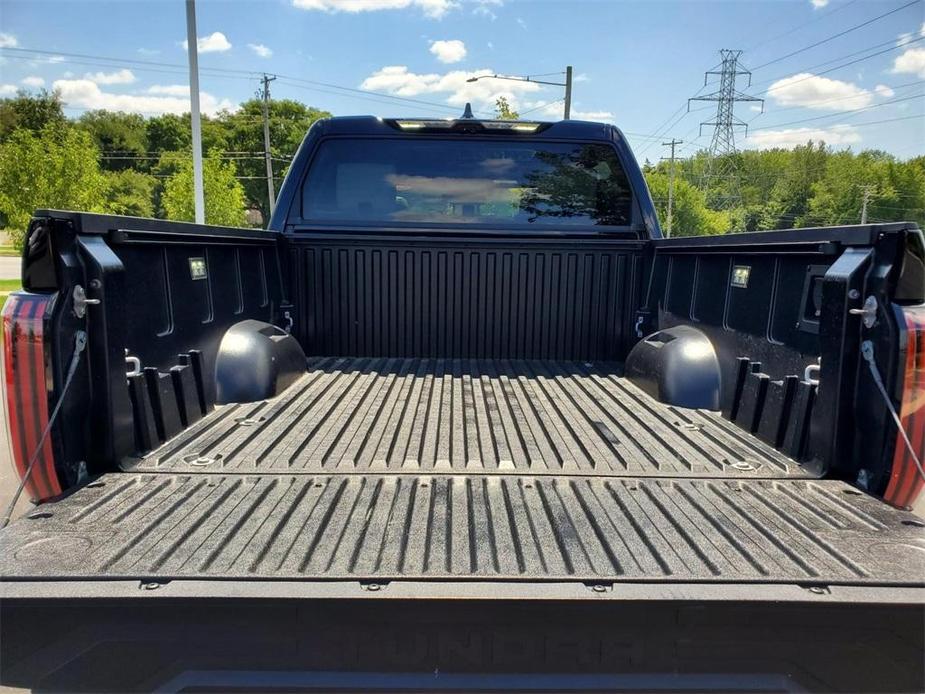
x: 267, y: 643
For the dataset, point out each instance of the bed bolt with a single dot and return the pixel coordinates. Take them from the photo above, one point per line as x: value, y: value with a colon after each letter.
x: 819, y: 590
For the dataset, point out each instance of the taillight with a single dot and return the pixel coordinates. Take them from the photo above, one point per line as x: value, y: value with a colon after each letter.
x: 905, y: 478
x: 28, y: 383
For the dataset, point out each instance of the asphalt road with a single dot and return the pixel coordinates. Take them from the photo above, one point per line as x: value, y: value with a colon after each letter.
x: 9, y: 267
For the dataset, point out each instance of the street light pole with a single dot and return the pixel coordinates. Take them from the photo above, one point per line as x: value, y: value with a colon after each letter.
x: 567, y: 84
x: 193, y: 52
x: 568, y: 92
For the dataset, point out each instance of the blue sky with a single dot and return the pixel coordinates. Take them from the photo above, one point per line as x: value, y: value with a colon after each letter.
x: 635, y: 62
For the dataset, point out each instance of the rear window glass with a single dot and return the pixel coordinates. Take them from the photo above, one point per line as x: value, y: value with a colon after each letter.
x: 466, y: 181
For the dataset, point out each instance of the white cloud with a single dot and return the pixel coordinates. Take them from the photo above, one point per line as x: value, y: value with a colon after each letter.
x: 33, y: 81
x: 435, y: 9
x: 7, y: 89
x: 811, y: 91
x: 483, y: 8
x: 521, y: 23
x: 600, y: 116
x: 123, y: 76
x: 169, y: 89
x: 55, y: 59
x: 260, y: 50
x: 149, y: 51
x: 216, y: 42
x: 884, y: 91
x: 911, y: 61
x: 8, y: 41
x: 554, y: 111
x: 755, y: 107
x: 903, y: 39
x: 396, y: 79
x: 491, y: 46
x: 581, y: 77
x: 819, y: 4
x: 835, y: 135
x: 449, y: 51
x: 87, y: 94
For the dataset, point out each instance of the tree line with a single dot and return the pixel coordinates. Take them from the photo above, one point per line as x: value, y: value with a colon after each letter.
x: 807, y: 186
x: 129, y: 164
x: 123, y: 163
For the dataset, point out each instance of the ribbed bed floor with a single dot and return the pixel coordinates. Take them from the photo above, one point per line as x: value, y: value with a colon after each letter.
x: 465, y: 527
x: 468, y: 416
x: 466, y: 470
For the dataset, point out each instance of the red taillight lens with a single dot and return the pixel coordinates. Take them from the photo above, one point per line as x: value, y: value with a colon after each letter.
x: 27, y: 386
x: 905, y: 479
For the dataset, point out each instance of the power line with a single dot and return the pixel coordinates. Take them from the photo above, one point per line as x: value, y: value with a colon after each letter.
x: 838, y: 35
x: 837, y: 67
x: 892, y: 46
x: 541, y: 106
x: 841, y: 113
x: 802, y: 25
x: 226, y: 72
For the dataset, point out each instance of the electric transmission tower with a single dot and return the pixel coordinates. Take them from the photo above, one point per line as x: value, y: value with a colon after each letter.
x: 721, y: 165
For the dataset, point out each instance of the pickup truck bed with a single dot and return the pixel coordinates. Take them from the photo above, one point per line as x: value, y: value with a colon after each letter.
x: 376, y: 469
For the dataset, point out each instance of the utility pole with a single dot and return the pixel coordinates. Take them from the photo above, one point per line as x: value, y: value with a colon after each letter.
x: 725, y: 122
x: 568, y: 91
x: 271, y: 191
x: 193, y: 53
x: 868, y: 192
x: 674, y: 143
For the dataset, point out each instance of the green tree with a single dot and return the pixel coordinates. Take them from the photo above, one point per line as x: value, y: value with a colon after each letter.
x: 130, y: 192
x: 504, y: 111
x: 690, y: 214
x: 56, y: 167
x: 30, y: 111
x: 168, y: 133
x: 121, y: 138
x: 789, y: 200
x: 289, y: 121
x: 224, y: 195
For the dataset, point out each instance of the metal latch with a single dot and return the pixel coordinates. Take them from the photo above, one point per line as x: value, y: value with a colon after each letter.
x: 811, y: 372
x: 868, y: 312
x: 132, y: 365
x: 81, y: 301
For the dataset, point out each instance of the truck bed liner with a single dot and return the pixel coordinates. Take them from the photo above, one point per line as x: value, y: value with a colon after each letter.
x: 468, y: 416
x: 148, y: 526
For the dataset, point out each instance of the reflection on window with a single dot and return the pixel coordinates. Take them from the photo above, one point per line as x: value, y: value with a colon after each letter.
x: 466, y: 181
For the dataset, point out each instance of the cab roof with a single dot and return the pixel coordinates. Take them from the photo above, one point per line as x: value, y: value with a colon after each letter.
x: 373, y: 125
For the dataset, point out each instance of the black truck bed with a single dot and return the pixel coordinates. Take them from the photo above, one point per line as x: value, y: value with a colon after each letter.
x: 469, y: 416
x: 417, y: 470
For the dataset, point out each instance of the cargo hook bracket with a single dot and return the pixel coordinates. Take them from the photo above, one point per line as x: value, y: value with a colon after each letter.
x: 81, y: 301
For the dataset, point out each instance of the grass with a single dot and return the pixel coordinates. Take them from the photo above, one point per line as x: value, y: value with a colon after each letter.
x: 7, y: 286
x: 10, y: 251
